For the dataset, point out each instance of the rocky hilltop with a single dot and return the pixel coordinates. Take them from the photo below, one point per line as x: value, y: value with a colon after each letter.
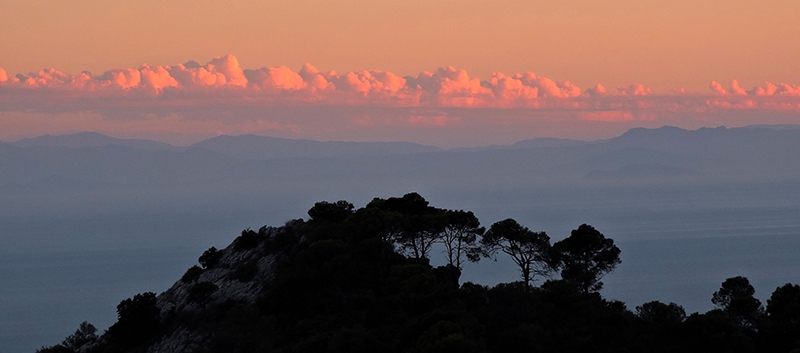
x: 237, y: 274
x: 350, y: 280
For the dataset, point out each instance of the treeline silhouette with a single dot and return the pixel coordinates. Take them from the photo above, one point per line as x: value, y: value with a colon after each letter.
x: 360, y: 280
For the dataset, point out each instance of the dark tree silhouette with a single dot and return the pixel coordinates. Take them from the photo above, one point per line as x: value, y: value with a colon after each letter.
x: 528, y: 249
x: 373, y: 222
x: 327, y: 212
x: 656, y: 312
x: 138, y: 320
x: 783, y: 320
x: 460, y: 235
x: 736, y: 299
x: 585, y: 257
x: 192, y: 274
x: 419, y: 225
x: 247, y: 240
x: 334, y: 285
x: 420, y: 232
x: 55, y: 349
x: 86, y: 333
x: 210, y: 257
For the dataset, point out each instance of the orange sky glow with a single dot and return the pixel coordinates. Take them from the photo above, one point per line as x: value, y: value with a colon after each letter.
x: 449, y: 73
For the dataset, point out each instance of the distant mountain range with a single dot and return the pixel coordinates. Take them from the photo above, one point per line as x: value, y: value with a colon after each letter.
x: 265, y: 147
x: 241, y: 147
x: 262, y: 147
x: 93, y: 164
x: 92, y: 139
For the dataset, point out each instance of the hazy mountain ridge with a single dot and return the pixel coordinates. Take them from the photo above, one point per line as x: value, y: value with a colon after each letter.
x: 709, y: 141
x: 253, y: 147
x: 645, y: 157
x: 249, y: 147
x: 92, y: 139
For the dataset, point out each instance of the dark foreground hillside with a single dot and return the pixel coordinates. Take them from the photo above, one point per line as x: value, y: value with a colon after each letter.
x: 361, y: 281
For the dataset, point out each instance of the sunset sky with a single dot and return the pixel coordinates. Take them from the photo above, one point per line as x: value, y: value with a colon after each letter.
x: 448, y: 73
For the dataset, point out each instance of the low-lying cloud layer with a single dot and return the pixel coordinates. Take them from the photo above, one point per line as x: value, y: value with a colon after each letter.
x: 448, y: 86
x: 769, y: 89
x: 223, y: 97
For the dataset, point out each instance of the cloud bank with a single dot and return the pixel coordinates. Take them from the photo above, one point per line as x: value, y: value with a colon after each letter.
x: 449, y: 86
x: 769, y: 89
x: 224, y: 78
x: 221, y: 97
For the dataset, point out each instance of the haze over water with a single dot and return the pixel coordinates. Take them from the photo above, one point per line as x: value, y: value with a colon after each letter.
x: 87, y: 220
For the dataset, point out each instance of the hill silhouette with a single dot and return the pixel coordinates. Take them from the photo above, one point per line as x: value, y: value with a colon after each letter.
x: 92, y: 139
x: 354, y: 280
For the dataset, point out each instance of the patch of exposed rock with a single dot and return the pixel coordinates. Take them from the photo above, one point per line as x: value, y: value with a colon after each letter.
x: 239, y: 275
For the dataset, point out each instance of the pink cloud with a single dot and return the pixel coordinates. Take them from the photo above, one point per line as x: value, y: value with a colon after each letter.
x: 717, y: 88
x: 49, y: 77
x: 548, y: 87
x: 769, y: 89
x: 598, y: 90
x: 314, y: 79
x: 189, y: 76
x: 156, y: 77
x: 736, y: 89
x: 634, y: 90
x: 228, y: 66
x: 223, y: 80
x: 365, y: 82
x: 511, y: 90
x: 123, y: 78
x: 449, y: 86
x: 276, y: 79
x: 452, y: 81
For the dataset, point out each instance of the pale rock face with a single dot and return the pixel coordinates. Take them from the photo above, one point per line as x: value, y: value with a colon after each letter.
x: 174, y: 301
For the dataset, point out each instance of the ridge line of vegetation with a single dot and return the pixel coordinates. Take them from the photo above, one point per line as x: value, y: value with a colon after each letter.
x: 350, y: 280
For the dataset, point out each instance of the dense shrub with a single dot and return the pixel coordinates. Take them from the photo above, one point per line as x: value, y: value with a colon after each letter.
x: 138, y: 321
x: 192, y: 274
x: 247, y: 240
x: 210, y: 258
